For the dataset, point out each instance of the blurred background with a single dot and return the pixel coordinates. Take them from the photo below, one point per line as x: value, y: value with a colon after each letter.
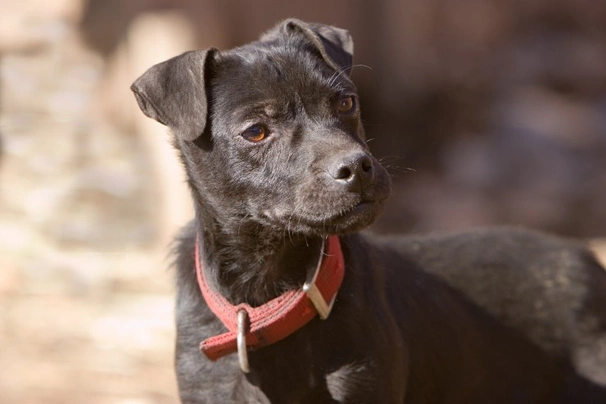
x: 484, y: 111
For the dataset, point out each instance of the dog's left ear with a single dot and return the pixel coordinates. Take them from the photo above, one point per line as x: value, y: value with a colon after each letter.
x: 174, y: 93
x: 334, y: 44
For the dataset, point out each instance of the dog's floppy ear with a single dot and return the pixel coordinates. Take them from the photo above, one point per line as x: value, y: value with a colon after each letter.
x: 335, y: 44
x: 173, y: 93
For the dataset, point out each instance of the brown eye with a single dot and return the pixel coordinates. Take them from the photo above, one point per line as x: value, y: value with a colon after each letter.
x: 255, y: 133
x: 346, y: 105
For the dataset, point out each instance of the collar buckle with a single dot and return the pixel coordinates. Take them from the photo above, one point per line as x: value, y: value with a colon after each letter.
x: 313, y: 293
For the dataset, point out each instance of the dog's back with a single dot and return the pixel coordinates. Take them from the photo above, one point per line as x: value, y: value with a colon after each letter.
x: 550, y: 290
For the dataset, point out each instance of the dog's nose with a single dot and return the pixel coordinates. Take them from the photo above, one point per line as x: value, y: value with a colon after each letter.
x: 354, y: 171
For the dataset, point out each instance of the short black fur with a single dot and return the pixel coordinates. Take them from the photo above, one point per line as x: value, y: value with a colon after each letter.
x: 495, y: 316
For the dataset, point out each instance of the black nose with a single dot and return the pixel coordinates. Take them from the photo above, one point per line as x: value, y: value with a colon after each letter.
x: 354, y: 171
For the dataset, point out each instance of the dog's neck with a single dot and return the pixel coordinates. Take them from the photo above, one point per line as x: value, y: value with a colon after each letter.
x: 248, y: 262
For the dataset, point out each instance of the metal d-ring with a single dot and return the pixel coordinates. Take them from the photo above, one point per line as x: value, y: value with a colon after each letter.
x: 241, y: 340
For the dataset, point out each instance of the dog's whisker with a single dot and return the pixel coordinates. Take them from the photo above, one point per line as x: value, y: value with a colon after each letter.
x: 391, y: 159
x: 403, y: 170
x: 336, y: 75
x: 361, y: 65
x: 289, y: 232
x: 374, y: 125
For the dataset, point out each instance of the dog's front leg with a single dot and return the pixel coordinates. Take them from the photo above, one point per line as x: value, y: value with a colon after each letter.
x: 199, y: 379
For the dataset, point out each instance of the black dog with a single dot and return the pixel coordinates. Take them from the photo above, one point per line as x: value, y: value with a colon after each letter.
x: 274, y: 150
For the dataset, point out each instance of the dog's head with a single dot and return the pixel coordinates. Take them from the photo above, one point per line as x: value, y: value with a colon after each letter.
x: 271, y: 131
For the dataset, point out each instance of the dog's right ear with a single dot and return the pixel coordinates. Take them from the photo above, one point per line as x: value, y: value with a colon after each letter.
x: 173, y: 93
x: 334, y: 44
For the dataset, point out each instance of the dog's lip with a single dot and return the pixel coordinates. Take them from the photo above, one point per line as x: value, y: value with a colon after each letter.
x: 358, y: 207
x: 361, y: 207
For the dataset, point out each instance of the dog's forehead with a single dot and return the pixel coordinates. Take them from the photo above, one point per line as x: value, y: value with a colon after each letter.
x: 284, y: 62
x: 273, y: 76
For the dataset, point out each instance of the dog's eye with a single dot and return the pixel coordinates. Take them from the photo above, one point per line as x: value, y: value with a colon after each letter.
x: 255, y: 133
x: 346, y: 105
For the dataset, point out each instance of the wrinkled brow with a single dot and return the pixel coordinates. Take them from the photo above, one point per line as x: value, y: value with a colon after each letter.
x: 272, y: 109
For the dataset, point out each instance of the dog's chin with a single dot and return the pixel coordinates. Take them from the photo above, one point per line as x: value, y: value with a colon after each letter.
x: 355, y: 219
x: 346, y: 220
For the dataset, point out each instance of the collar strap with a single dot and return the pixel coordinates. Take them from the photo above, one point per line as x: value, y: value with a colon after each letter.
x: 282, y: 315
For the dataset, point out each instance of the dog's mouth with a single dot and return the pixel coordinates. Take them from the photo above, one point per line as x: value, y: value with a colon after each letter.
x: 356, y: 217
x: 338, y: 220
x: 365, y: 206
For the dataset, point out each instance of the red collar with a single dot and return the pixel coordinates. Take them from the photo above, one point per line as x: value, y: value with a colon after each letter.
x: 282, y: 315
